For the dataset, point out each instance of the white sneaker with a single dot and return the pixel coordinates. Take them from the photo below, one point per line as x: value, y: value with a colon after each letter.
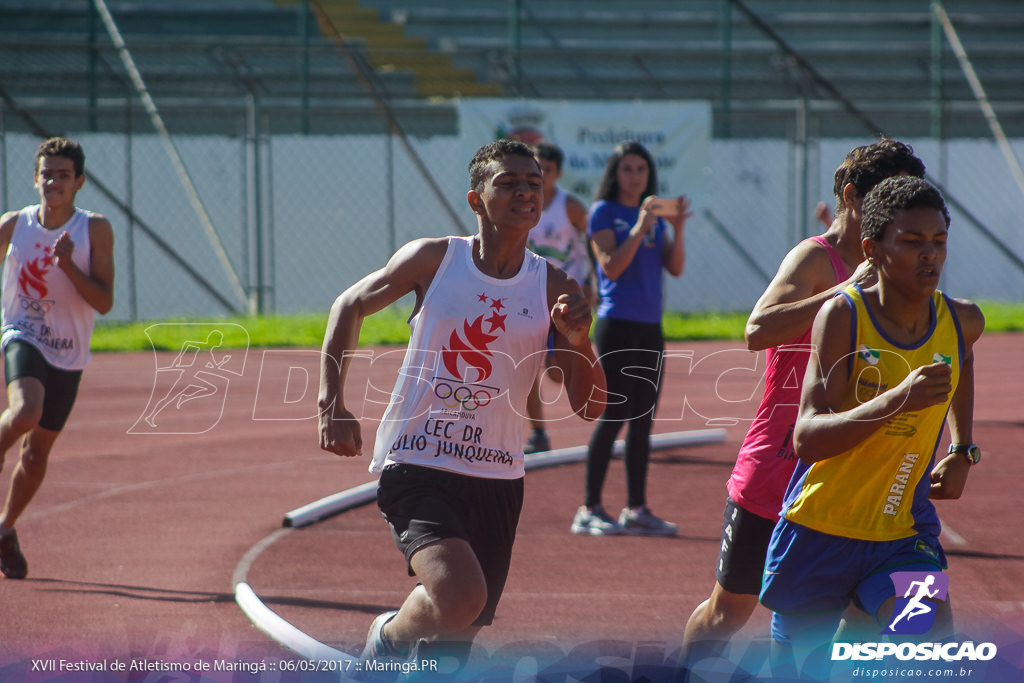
x: 642, y: 522
x: 595, y: 522
x: 376, y: 647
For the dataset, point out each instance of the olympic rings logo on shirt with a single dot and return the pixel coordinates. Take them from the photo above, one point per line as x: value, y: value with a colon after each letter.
x: 464, y: 395
x: 36, y: 306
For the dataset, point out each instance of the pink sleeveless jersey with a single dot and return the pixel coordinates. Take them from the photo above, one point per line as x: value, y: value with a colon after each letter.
x: 766, y: 458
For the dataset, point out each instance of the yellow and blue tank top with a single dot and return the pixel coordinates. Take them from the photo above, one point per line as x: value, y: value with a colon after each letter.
x: 878, y: 489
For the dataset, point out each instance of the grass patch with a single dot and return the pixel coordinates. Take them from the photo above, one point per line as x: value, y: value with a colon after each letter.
x: 301, y: 330
x: 1002, y: 317
x: 709, y: 325
x: 389, y: 328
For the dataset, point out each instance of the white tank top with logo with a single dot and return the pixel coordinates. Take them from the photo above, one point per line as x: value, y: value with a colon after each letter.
x: 39, y: 304
x: 477, y: 344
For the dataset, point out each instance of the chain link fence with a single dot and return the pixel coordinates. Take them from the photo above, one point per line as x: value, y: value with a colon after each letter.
x: 302, y: 217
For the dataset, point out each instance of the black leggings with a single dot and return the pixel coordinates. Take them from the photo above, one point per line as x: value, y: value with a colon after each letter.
x: 631, y: 356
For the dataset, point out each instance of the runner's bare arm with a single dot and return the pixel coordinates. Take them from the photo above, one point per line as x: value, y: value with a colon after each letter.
x: 949, y: 476
x: 7, y: 222
x: 96, y: 286
x: 577, y: 213
x: 805, y: 280
x: 411, y: 269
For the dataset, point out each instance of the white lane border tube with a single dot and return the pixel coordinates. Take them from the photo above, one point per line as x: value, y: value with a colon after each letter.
x: 282, y: 631
x: 365, y: 493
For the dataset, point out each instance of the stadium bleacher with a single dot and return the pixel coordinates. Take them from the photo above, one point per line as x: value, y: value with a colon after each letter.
x: 200, y: 56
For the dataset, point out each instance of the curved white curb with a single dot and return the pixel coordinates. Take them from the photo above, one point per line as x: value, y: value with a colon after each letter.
x: 282, y: 631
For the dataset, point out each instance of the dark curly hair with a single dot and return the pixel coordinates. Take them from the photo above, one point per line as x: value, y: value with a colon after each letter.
x: 868, y: 165
x: 62, y: 147
x: 493, y: 151
x: 900, y: 193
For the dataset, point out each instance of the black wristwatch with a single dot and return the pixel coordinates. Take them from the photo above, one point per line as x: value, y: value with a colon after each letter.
x: 971, y: 452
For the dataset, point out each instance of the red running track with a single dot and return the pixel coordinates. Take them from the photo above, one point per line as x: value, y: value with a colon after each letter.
x: 139, y: 532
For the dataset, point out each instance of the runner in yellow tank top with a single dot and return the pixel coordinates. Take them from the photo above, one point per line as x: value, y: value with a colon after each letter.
x: 891, y: 362
x: 881, y: 506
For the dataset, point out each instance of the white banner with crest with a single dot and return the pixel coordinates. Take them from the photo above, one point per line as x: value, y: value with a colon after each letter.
x: 677, y: 133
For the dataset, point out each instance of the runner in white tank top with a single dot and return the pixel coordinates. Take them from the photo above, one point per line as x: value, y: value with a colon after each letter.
x: 58, y: 272
x: 39, y: 302
x: 477, y: 343
x: 451, y: 484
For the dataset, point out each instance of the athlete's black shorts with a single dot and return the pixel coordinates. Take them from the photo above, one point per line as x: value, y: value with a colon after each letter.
x: 60, y: 387
x: 424, y: 505
x: 741, y: 558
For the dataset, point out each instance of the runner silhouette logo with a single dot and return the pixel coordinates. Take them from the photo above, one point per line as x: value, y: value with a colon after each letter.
x: 917, y: 598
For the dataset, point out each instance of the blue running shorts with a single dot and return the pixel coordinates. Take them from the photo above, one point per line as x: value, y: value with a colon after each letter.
x: 809, y: 574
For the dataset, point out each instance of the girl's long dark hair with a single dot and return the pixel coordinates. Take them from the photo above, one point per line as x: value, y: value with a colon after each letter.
x: 609, y: 188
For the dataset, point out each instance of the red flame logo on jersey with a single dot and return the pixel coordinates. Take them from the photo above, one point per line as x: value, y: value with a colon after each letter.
x: 469, y: 353
x: 32, y: 276
x: 470, y: 350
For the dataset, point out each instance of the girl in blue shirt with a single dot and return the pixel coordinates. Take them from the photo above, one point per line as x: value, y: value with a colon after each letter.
x: 635, y: 238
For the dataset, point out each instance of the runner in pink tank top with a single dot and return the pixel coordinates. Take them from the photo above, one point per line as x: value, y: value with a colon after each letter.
x: 766, y: 458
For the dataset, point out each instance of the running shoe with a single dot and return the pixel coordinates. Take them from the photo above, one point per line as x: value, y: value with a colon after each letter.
x: 595, y: 522
x: 376, y: 646
x: 12, y: 562
x: 537, y: 443
x: 642, y: 522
